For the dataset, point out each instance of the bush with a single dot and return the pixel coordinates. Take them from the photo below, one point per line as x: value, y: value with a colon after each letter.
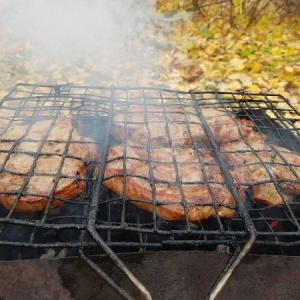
x: 239, y: 12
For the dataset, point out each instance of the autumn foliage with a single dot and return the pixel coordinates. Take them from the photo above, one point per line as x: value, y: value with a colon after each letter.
x: 259, y: 51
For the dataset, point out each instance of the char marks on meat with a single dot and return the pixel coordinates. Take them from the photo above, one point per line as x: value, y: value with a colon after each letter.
x: 179, y: 173
x: 165, y: 126
x: 158, y: 125
x: 195, y: 190
x: 160, y: 144
x: 273, y: 171
x: 47, y: 159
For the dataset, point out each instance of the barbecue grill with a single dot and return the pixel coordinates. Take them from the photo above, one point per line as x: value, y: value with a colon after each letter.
x: 98, y: 222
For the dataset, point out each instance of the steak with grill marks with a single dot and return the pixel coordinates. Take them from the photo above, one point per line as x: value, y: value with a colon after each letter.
x: 185, y: 183
x: 273, y: 171
x: 43, y: 160
x: 195, y: 189
x: 174, y: 125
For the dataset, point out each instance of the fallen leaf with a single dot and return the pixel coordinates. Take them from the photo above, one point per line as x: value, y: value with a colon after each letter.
x: 254, y: 88
x: 234, y: 85
x: 289, y: 69
x: 245, y: 80
x: 237, y: 64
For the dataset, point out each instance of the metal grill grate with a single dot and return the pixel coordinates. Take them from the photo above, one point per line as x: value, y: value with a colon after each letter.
x: 99, y: 217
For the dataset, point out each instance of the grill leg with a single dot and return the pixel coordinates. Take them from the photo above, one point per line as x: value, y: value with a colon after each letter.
x: 110, y: 281
x: 232, y: 264
x: 119, y: 263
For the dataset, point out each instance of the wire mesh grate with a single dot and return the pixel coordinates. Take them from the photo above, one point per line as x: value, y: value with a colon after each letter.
x: 119, y: 223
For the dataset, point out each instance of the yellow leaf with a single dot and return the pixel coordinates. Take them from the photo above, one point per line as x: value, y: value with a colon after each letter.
x: 234, y: 85
x: 237, y: 64
x: 294, y: 100
x: 256, y: 67
x: 274, y: 82
x: 264, y: 75
x: 276, y: 51
x: 215, y: 73
x: 282, y: 83
x: 254, y: 88
x: 194, y: 53
x: 283, y: 105
x: 290, y: 51
x: 226, y: 58
x: 262, y: 83
x: 285, y: 94
x: 289, y: 69
x: 297, y: 124
x: 234, y: 76
x: 245, y: 80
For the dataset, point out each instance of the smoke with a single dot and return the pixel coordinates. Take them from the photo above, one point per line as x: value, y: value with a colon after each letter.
x: 106, y: 33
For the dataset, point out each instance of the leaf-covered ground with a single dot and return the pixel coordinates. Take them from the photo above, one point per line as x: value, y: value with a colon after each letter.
x: 180, y: 51
x: 262, y: 58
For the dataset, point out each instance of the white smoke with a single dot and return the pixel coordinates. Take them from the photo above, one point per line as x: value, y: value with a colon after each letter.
x: 58, y: 30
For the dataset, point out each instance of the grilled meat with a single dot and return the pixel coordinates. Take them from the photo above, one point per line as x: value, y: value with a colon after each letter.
x: 177, y: 185
x: 47, y: 159
x: 273, y: 171
x: 175, y: 125
x: 226, y: 127
x: 158, y: 126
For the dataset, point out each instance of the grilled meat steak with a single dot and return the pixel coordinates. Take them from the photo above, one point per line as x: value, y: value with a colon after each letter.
x: 177, y: 185
x: 226, y: 127
x: 273, y: 171
x: 161, y: 127
x: 48, y: 159
x: 185, y: 183
x: 175, y: 126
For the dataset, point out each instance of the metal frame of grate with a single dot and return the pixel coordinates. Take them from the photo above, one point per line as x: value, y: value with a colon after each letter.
x: 81, y: 223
